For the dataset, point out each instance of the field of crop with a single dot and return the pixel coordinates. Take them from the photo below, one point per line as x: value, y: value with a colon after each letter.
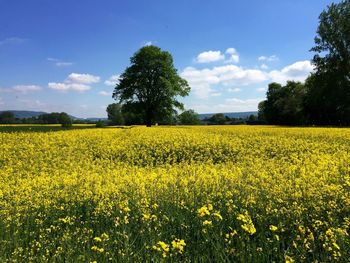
x: 175, y: 194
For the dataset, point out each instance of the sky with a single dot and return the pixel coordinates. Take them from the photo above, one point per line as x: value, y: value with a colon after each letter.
x: 60, y: 55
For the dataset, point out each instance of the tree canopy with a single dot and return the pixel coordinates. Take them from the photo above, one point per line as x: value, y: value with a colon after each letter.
x: 150, y: 86
x: 189, y: 117
x: 218, y: 119
x: 65, y: 120
x: 115, y: 115
x: 328, y: 100
x: 284, y: 104
x: 324, y: 99
x: 7, y: 117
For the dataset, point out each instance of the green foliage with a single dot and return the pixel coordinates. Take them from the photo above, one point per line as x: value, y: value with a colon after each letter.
x: 151, y: 85
x: 284, y: 104
x: 325, y: 97
x: 189, y: 117
x: 100, y: 124
x: 7, y: 117
x: 65, y: 120
x: 328, y: 98
x: 115, y: 115
x: 218, y: 119
x: 252, y: 118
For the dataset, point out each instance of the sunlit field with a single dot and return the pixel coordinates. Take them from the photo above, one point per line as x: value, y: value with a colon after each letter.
x: 175, y: 194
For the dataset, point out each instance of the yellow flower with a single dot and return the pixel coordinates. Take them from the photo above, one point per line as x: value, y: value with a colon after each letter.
x: 249, y: 228
x: 207, y: 223
x: 104, y: 236
x: 288, y: 259
x: 217, y: 215
x: 203, y: 211
x: 97, y: 239
x: 247, y: 225
x: 162, y: 247
x: 97, y: 249
x: 273, y: 228
x: 178, y: 245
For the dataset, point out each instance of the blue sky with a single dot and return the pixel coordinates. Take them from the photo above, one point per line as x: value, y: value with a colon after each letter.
x: 59, y: 55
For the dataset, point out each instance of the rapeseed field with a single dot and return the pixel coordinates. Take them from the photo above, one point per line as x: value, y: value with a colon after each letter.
x: 175, y: 194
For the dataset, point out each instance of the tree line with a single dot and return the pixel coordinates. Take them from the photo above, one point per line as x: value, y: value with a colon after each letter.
x: 118, y: 114
x: 8, y: 117
x: 324, y: 98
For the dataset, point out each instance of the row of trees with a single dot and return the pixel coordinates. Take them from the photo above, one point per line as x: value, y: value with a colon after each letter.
x: 324, y: 98
x: 8, y: 117
x: 118, y: 115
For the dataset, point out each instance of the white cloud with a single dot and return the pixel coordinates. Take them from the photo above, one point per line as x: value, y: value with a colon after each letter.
x: 229, y: 105
x: 264, y: 66
x: 75, y: 82
x: 24, y: 89
x: 104, y: 93
x: 202, y: 80
x: 64, y: 64
x: 261, y: 90
x: 60, y: 63
x: 33, y: 104
x: 82, y: 78
x: 234, y: 90
x: 210, y: 56
x: 269, y: 58
x: 12, y: 40
x: 68, y: 86
x: 234, y: 57
x: 113, y: 80
x: 206, y: 82
x: 1, y: 101
x: 297, y: 71
x: 215, y: 94
x: 147, y: 43
x: 243, y: 105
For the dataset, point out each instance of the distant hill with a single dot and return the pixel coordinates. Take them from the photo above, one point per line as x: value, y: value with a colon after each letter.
x: 21, y: 114
x: 230, y: 114
x: 24, y: 114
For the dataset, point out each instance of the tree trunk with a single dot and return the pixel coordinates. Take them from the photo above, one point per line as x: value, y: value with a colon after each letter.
x: 149, y: 117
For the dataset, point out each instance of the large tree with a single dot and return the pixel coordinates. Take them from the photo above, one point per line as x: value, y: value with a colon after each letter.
x: 284, y: 104
x: 328, y: 100
x: 115, y: 114
x: 189, y: 117
x: 150, y: 86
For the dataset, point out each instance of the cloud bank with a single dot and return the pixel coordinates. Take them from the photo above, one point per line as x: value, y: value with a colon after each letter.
x: 75, y: 82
